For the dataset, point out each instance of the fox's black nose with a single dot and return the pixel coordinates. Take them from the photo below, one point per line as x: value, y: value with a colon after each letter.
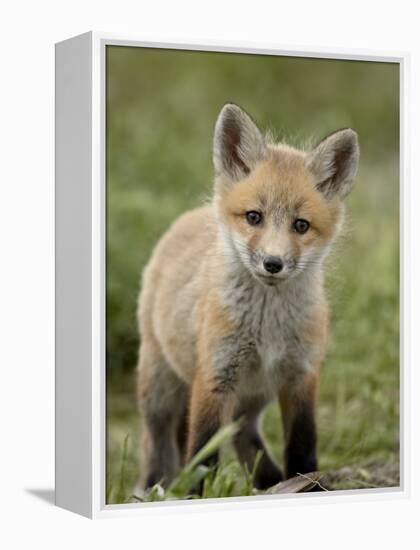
x: 273, y: 264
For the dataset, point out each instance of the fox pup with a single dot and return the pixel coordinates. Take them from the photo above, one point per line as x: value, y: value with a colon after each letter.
x: 232, y: 312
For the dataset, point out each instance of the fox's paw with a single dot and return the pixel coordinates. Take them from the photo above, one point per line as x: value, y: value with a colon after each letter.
x: 267, y: 476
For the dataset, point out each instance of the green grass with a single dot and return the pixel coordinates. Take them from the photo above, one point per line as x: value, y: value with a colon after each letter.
x: 160, y: 114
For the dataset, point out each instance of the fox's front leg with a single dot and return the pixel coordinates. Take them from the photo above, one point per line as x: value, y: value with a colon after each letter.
x: 207, y: 409
x: 298, y: 401
x: 213, y: 387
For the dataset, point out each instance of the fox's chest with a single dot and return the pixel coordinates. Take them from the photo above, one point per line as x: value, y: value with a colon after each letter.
x: 280, y: 346
x: 269, y: 348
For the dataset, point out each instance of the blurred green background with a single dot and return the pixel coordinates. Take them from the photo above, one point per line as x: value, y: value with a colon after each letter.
x: 161, y: 109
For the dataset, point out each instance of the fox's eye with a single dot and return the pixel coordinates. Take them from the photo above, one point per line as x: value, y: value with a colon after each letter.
x: 301, y: 226
x: 253, y: 217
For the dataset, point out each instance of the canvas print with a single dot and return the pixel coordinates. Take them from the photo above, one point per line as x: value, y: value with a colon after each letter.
x: 252, y: 281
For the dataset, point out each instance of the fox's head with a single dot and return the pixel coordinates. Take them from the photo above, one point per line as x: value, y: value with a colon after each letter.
x: 280, y: 208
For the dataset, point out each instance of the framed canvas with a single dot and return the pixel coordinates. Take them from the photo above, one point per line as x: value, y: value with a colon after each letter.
x: 229, y: 218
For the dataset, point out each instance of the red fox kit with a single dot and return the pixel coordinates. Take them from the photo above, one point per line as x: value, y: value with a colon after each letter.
x: 232, y: 311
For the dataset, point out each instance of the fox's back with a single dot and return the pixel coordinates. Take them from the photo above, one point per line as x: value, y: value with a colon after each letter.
x: 174, y: 280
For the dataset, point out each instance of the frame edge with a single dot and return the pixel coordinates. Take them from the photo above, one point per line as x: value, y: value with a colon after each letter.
x: 73, y: 311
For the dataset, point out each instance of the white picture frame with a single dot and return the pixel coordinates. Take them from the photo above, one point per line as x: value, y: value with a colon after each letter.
x: 80, y: 276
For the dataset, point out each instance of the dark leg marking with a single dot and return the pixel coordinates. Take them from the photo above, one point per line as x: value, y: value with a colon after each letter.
x: 163, y: 400
x: 301, y: 447
x: 267, y: 473
x: 205, y: 430
x: 205, y: 434
x: 248, y: 442
x: 182, y: 435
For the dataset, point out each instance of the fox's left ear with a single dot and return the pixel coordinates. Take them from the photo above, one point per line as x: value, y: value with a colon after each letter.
x: 334, y: 162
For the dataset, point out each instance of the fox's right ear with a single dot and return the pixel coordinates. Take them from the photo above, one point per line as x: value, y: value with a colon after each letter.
x: 238, y: 144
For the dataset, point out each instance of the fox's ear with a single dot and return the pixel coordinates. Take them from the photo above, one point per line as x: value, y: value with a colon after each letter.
x: 334, y: 161
x: 238, y: 143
